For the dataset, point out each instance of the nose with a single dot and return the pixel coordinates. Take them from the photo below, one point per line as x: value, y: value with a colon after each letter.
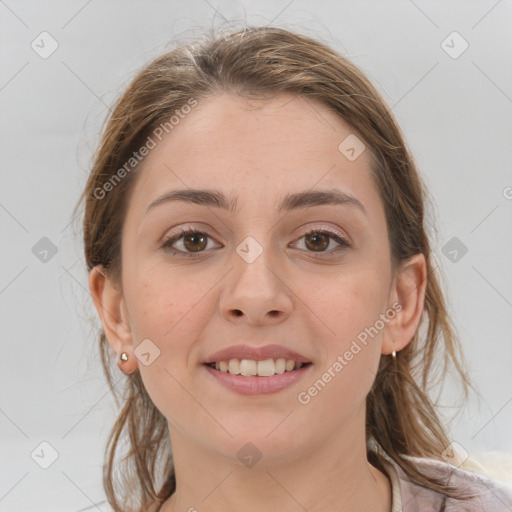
x: 256, y: 291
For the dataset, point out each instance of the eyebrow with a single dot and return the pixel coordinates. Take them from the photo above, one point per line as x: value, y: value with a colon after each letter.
x: 300, y: 200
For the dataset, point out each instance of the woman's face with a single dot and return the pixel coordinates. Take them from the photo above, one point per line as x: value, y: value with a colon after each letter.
x: 252, y: 276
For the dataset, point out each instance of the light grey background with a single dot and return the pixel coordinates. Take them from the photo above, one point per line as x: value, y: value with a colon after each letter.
x: 456, y: 116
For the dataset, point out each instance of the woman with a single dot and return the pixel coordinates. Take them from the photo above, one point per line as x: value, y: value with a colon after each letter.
x: 254, y: 232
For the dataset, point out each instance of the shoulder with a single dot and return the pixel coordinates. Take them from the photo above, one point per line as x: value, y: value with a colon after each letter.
x: 484, y: 493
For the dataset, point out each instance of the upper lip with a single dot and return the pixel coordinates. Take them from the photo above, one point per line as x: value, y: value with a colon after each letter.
x: 256, y: 353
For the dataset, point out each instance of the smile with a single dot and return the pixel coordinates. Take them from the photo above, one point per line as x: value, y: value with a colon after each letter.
x: 250, y: 377
x: 250, y: 367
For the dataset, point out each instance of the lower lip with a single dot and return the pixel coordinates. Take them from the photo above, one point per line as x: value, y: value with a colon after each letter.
x: 258, y: 385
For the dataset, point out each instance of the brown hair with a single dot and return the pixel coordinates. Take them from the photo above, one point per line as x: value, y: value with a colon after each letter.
x: 257, y: 61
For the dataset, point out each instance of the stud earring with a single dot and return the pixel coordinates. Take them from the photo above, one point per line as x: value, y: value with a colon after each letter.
x: 393, y: 354
x: 123, y: 356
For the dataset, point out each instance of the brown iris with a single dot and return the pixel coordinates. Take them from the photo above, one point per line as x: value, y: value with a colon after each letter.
x: 191, y: 241
x: 319, y: 241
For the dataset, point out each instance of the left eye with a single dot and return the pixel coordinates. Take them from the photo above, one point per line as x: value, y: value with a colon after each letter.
x: 319, y: 240
x: 195, y: 242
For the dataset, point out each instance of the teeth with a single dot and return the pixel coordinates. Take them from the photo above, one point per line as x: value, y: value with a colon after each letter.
x: 289, y: 366
x: 234, y: 366
x: 266, y: 368
x: 249, y: 367
x: 280, y: 365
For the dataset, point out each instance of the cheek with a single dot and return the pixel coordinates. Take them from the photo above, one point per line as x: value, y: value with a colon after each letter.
x: 350, y: 310
x: 166, y: 304
x: 171, y: 311
x: 347, y: 304
x: 171, y: 308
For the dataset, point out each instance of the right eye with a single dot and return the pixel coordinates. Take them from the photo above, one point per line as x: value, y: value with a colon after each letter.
x: 192, y: 241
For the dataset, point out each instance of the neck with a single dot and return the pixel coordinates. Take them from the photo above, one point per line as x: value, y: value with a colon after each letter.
x: 333, y: 476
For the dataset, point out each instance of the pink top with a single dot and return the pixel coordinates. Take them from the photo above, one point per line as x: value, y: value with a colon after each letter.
x: 489, y: 495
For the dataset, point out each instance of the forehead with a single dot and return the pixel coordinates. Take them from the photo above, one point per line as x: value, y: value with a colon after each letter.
x: 258, y: 151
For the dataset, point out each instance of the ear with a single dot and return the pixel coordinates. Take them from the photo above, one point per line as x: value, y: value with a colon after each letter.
x: 407, y: 297
x: 110, y: 305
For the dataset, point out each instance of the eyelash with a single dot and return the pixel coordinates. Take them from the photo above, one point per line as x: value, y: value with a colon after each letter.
x: 167, y: 245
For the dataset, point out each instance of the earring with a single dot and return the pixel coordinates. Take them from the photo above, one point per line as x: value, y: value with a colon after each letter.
x: 123, y: 356
x: 393, y: 354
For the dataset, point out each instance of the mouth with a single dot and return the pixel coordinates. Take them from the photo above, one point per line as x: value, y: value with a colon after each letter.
x: 257, y: 368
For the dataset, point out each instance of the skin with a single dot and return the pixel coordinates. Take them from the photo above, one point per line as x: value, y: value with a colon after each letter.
x: 314, y: 302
